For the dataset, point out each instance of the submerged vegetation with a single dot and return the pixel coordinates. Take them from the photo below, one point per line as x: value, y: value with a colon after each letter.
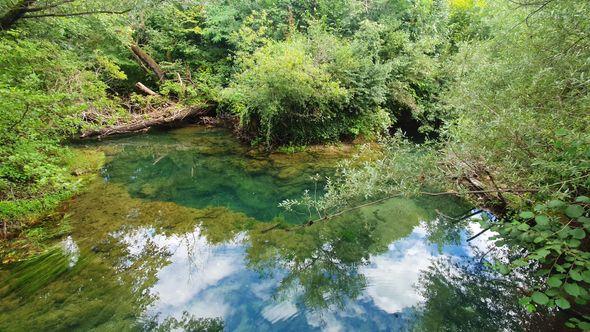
x: 484, y: 100
x: 123, y: 265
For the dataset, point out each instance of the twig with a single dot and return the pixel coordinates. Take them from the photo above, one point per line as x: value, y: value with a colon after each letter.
x: 354, y: 208
x: 159, y: 158
x: 480, y: 233
x: 270, y: 228
x: 479, y: 192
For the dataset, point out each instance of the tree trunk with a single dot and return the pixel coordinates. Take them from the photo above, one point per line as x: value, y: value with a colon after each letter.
x: 12, y: 16
x: 147, y: 60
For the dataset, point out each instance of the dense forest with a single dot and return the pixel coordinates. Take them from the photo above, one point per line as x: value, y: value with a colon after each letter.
x: 485, y: 100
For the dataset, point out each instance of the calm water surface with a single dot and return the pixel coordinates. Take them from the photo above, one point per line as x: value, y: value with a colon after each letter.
x: 177, y: 234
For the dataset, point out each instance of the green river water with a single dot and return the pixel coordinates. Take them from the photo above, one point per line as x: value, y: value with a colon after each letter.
x: 174, y: 235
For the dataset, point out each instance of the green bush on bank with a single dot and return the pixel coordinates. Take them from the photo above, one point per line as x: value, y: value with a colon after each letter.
x: 309, y: 89
x: 43, y: 90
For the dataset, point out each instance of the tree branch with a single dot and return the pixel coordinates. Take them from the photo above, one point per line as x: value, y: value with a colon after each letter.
x: 78, y: 13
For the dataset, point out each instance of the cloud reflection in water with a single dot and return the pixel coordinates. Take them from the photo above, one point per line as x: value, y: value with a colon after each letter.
x: 214, y: 281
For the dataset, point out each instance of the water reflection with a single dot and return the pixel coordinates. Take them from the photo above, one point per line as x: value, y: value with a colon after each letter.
x: 337, y: 275
x: 149, y: 251
x: 359, y: 271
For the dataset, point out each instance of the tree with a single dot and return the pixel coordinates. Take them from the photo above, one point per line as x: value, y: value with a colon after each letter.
x: 29, y: 9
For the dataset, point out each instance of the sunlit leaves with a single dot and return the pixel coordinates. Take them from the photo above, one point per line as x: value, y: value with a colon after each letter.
x: 562, y: 303
x: 540, y: 298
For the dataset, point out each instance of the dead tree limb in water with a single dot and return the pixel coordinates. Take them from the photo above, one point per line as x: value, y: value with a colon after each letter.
x: 163, y: 118
x: 148, y: 61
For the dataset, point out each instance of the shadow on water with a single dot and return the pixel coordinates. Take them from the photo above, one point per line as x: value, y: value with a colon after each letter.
x: 174, y: 237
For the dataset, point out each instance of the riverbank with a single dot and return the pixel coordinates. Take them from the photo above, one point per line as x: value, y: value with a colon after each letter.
x: 32, y: 224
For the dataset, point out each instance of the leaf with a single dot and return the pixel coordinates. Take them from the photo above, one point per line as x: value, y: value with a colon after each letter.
x: 551, y: 292
x: 543, y: 252
x: 578, y: 233
x: 574, y: 211
x: 572, y: 289
x: 503, y: 269
x: 530, y: 308
x: 523, y: 227
x: 586, y: 276
x: 562, y: 303
x: 519, y: 263
x: 526, y: 214
x: 554, y: 281
x: 539, y: 239
x: 555, y: 204
x: 576, y: 275
x: 542, y: 220
x: 573, y: 243
x: 539, y: 207
x: 540, y: 298
x: 524, y: 300
x: 583, y: 199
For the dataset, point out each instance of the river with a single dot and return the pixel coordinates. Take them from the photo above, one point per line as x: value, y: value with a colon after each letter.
x: 177, y: 233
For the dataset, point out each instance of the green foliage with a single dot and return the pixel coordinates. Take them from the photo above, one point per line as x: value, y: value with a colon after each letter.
x: 520, y: 112
x: 284, y: 91
x: 402, y: 168
x: 42, y: 91
x: 520, y: 101
x: 504, y: 86
x: 551, y: 237
x: 309, y: 89
x: 57, y: 76
x: 195, y: 64
x: 513, y: 107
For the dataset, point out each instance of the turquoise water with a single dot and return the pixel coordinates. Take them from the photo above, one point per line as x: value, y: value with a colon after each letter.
x: 198, y: 168
x: 177, y: 235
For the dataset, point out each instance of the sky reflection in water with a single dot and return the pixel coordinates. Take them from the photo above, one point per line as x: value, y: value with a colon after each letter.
x: 178, y: 224
x: 213, y: 281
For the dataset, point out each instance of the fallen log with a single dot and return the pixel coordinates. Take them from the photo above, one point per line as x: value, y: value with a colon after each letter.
x: 148, y: 61
x: 163, y: 118
x: 145, y: 89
